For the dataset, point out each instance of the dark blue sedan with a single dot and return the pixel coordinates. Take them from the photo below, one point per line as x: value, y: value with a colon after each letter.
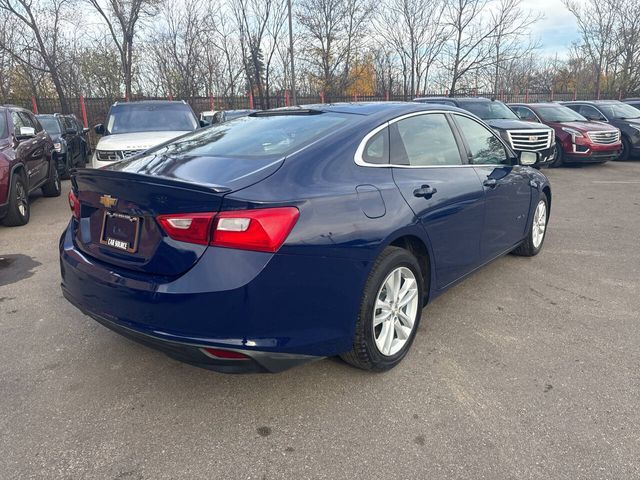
x: 294, y: 234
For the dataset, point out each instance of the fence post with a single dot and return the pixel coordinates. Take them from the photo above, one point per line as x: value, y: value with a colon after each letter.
x: 286, y: 98
x: 386, y: 95
x: 34, y: 104
x: 321, y: 96
x: 212, y: 103
x: 170, y: 97
x: 250, y: 100
x: 575, y: 94
x: 83, y: 110
x: 526, y: 96
x: 620, y: 94
x: 355, y: 97
x: 502, y: 94
x: 552, y: 94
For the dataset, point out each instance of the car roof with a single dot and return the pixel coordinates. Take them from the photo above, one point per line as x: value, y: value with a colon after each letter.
x: 374, y: 108
x: 455, y: 99
x: 596, y: 102
x: 536, y: 104
x: 139, y: 102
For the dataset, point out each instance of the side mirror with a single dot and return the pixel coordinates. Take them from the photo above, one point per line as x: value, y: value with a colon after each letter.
x: 529, y: 158
x: 99, y: 129
x: 204, y: 123
x: 26, y: 132
x: 85, y: 130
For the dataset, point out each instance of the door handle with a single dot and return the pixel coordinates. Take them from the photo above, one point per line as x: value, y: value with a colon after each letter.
x: 425, y: 191
x: 490, y: 182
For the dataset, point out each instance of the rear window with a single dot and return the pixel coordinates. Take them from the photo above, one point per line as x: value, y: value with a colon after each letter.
x: 489, y: 110
x: 150, y: 117
x: 255, y: 137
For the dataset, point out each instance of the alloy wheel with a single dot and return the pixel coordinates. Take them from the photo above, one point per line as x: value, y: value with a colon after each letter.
x: 539, y: 223
x: 395, y: 311
x: 21, y: 199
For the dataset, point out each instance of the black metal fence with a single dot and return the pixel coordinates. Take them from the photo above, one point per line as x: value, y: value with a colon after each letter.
x: 92, y: 111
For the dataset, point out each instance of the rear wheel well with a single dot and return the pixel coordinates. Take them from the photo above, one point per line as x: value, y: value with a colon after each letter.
x: 419, y: 250
x: 547, y: 192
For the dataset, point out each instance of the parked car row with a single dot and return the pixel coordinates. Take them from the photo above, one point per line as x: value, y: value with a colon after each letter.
x: 27, y: 163
x: 574, y: 132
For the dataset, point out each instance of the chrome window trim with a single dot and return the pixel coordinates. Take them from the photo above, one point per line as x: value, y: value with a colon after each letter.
x: 358, y: 159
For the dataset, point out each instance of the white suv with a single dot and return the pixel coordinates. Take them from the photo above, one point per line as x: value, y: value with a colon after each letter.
x: 134, y: 127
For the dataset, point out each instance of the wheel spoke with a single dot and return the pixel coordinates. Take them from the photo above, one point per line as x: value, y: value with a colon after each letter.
x: 401, y: 331
x: 388, y: 339
x: 405, y: 319
x: 381, y: 317
x: 407, y: 297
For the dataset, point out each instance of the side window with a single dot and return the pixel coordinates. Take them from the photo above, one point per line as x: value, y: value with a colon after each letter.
x: 34, y: 121
x: 591, y: 113
x: 27, y: 120
x: 17, y: 122
x: 486, y: 148
x: 376, y: 150
x: 526, y: 114
x: 424, y: 140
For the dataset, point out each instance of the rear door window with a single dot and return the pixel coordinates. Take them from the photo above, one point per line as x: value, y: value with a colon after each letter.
x: 376, y: 151
x: 486, y: 148
x: 424, y: 140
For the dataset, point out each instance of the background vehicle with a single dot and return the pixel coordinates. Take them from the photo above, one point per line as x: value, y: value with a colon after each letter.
x: 212, y: 117
x: 577, y: 139
x: 634, y: 102
x: 620, y: 115
x: 134, y: 127
x: 69, y: 141
x: 216, y: 250
x: 520, y: 135
x: 26, y: 164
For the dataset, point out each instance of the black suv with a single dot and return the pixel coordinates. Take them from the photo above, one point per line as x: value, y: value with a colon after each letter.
x: 634, y: 102
x: 520, y: 135
x: 618, y: 114
x: 26, y: 164
x: 71, y: 148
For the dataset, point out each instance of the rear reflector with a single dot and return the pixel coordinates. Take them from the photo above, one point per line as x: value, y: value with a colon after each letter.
x: 74, y: 205
x: 188, y: 227
x: 262, y: 229
x: 225, y: 354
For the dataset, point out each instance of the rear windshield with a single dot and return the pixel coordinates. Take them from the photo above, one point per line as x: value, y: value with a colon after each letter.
x: 254, y: 137
x: 50, y: 124
x: 151, y: 117
x: 559, y: 114
x: 489, y: 110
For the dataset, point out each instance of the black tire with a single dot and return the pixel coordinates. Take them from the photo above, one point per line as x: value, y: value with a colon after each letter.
x: 559, y: 160
x: 66, y: 167
x: 365, y: 353
x: 528, y: 248
x: 625, y: 153
x: 53, y: 187
x: 18, y: 196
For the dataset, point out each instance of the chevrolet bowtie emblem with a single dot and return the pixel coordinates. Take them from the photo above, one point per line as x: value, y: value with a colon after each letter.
x: 108, y: 201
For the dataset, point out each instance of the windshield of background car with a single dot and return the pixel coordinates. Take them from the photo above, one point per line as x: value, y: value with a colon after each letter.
x: 619, y: 110
x: 50, y: 124
x: 489, y: 110
x: 253, y: 137
x: 131, y: 118
x: 559, y: 114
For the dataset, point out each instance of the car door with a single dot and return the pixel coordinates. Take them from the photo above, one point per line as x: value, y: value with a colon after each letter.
x: 445, y: 195
x: 507, y: 187
x: 28, y: 149
x: 70, y: 136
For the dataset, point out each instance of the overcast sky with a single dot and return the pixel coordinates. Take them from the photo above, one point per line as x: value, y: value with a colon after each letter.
x: 557, y: 29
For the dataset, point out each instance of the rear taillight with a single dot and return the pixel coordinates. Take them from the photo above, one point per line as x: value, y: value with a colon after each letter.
x: 188, y: 227
x: 263, y: 230
x: 74, y: 205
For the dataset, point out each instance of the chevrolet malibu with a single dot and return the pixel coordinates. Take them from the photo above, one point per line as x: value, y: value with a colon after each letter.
x: 290, y: 235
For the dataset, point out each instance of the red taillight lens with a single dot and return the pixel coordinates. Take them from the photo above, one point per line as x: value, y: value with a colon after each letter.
x: 74, y: 205
x: 263, y: 229
x: 226, y: 354
x: 188, y: 227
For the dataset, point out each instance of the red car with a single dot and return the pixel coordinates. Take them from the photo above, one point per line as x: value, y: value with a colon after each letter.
x: 25, y: 164
x: 577, y: 139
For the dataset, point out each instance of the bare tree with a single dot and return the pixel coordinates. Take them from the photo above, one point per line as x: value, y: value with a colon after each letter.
x: 122, y: 18
x: 333, y: 31
x: 38, y: 38
x: 596, y: 21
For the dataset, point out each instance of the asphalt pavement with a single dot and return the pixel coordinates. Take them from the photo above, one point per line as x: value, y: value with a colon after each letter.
x: 529, y: 369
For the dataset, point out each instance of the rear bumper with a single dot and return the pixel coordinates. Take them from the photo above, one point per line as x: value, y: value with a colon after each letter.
x: 273, y: 308
x: 191, y: 353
